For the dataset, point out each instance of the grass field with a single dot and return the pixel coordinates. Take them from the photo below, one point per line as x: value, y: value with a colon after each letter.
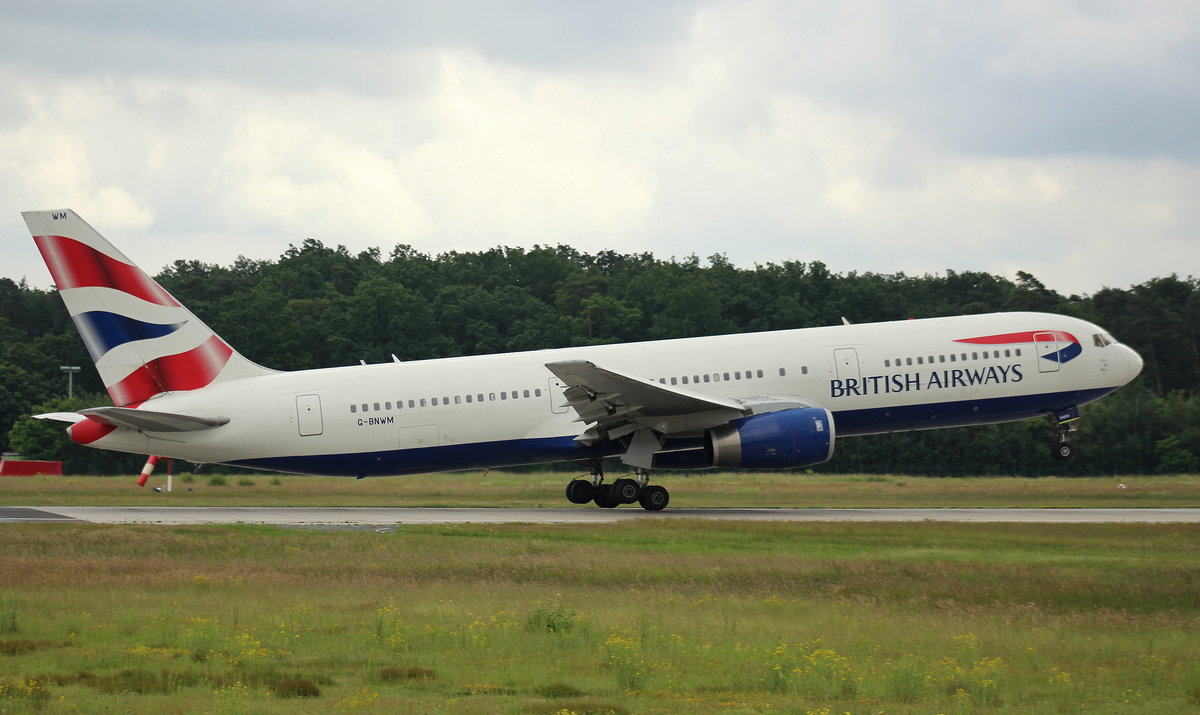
x: 666, y: 616
x: 501, y: 488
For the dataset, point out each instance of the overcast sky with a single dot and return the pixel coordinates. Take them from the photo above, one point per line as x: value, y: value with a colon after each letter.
x: 1058, y: 138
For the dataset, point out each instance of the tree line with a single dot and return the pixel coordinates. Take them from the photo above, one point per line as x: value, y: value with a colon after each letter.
x: 317, y: 306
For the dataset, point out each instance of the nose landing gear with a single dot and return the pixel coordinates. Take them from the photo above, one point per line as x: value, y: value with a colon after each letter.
x: 1061, y: 448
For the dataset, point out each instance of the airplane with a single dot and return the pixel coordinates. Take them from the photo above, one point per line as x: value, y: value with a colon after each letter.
x: 766, y: 400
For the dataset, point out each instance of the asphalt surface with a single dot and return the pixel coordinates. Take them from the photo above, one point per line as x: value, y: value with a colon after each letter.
x: 391, y: 516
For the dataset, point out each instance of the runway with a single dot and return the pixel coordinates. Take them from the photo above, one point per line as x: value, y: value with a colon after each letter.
x: 348, y: 517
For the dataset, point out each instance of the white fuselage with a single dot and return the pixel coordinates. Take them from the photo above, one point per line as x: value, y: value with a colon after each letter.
x: 495, y: 410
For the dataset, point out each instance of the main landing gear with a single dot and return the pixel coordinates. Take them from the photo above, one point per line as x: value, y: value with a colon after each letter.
x: 623, y: 491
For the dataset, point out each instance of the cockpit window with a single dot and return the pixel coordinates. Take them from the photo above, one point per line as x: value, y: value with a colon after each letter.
x: 1101, y: 340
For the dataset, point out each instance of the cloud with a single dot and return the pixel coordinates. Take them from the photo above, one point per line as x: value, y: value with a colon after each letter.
x: 870, y: 136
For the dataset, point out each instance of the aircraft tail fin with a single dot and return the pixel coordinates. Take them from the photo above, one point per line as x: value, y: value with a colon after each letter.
x: 143, y: 341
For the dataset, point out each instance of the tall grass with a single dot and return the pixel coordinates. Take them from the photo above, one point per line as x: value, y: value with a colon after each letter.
x: 673, y: 616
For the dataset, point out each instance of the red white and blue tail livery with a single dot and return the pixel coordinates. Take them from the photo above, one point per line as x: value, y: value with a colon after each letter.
x: 144, y: 343
x: 754, y: 400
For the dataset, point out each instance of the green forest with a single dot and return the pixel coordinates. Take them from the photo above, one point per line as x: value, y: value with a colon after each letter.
x: 317, y: 306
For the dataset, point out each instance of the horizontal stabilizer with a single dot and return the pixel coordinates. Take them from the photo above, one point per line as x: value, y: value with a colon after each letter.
x: 147, y: 421
x: 71, y: 417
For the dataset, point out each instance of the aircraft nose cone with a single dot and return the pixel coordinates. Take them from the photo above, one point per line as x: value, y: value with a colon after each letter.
x: 1135, y: 363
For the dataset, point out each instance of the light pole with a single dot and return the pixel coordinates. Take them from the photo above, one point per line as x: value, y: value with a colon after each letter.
x: 70, y: 370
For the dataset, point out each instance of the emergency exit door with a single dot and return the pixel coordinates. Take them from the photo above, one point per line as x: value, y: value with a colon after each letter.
x: 845, y: 361
x: 308, y: 415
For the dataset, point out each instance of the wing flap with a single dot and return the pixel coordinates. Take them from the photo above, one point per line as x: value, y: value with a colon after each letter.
x: 616, y: 404
x: 588, y: 381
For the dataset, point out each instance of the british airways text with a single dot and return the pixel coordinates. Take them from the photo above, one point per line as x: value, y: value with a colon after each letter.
x: 939, y: 379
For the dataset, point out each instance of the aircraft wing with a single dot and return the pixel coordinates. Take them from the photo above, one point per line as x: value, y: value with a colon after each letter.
x: 143, y: 420
x: 620, y: 404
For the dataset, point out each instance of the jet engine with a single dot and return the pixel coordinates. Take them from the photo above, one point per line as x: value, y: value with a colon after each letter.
x: 774, y: 440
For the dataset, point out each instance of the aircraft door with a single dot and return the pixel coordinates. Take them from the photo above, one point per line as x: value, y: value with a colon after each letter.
x: 308, y: 415
x: 558, y: 402
x: 845, y: 361
x: 1045, y: 347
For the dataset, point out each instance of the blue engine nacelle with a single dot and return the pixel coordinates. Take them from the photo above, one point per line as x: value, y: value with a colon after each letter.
x: 774, y: 440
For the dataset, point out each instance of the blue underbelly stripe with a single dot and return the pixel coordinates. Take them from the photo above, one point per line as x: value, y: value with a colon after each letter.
x: 480, y: 455
x: 964, y: 413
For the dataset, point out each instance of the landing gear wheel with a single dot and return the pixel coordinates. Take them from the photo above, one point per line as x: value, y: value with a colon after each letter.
x: 654, y: 498
x: 626, y: 490
x: 1063, y: 451
x: 606, y: 497
x: 580, y: 491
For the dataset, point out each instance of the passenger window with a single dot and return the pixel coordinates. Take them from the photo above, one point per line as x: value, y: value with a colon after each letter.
x: 457, y: 400
x: 696, y: 379
x: 930, y: 359
x: 411, y: 404
x: 434, y: 401
x: 376, y: 406
x: 387, y: 406
x: 468, y: 399
x: 726, y: 377
x: 491, y: 397
x: 951, y: 357
x: 887, y: 363
x: 920, y: 360
x: 526, y: 393
x: 423, y: 402
x: 685, y: 379
x: 804, y: 369
x: 737, y: 375
x: 760, y: 374
x: 908, y: 361
x: 706, y: 377
x: 1017, y: 351
x: 782, y: 372
x: 974, y: 356
x: 353, y: 409
x: 964, y: 357
x: 537, y: 392
x: 503, y: 395
x: 672, y: 381
x: 364, y: 407
x: 941, y: 358
x: 1007, y: 353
